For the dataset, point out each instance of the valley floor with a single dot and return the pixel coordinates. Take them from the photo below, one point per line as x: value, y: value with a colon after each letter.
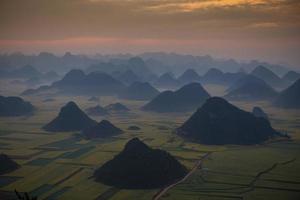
x: 61, y: 165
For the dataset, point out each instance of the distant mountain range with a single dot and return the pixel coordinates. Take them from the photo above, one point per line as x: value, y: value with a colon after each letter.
x: 29, y: 75
x: 124, y: 84
x: 153, y: 63
x: 76, y: 82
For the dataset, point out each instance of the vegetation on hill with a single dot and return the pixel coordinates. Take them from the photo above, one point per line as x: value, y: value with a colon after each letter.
x: 140, y: 167
x: 219, y: 122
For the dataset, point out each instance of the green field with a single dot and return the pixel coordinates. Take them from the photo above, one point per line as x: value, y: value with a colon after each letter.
x: 61, y: 165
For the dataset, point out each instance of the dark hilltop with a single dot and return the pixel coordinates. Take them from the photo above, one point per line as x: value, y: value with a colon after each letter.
x: 140, y: 167
x: 219, y: 122
x: 70, y: 118
x: 101, y: 130
x: 187, y: 98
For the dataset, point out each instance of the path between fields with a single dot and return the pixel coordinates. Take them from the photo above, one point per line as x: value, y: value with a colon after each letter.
x: 163, y: 191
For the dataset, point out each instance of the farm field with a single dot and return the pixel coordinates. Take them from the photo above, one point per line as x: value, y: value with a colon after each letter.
x: 61, y: 165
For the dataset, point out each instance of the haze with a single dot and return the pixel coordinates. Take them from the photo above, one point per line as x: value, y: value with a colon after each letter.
x: 267, y: 30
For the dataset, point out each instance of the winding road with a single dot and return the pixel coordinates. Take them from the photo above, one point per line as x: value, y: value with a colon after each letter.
x: 163, y: 191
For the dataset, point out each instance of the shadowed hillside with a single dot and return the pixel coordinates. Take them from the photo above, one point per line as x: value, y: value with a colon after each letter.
x: 290, y: 97
x: 189, y: 76
x: 219, y: 122
x: 187, y: 98
x: 139, y: 91
x: 250, y: 88
x: 96, y: 110
x: 7, y: 164
x: 116, y: 107
x: 15, y: 106
x: 267, y: 75
x: 70, y: 118
x: 101, y: 130
x: 166, y: 80
x: 140, y: 167
x: 258, y: 112
x: 76, y: 82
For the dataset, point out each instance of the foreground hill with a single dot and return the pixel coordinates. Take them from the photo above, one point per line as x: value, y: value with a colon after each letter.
x: 101, y: 130
x: 70, y: 118
x: 139, y: 91
x: 140, y: 167
x: 14, y: 106
x: 267, y: 75
x: 76, y: 82
x: 290, y: 97
x: 250, y: 88
x: 219, y: 122
x: 7, y: 164
x: 187, y: 98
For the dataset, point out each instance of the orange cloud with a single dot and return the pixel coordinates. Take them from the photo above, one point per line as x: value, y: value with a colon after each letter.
x: 188, y: 6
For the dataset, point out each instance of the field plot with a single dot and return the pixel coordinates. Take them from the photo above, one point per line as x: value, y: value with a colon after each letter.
x: 61, y: 165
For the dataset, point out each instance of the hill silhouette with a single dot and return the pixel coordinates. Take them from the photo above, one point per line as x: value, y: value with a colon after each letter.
x: 290, y: 97
x: 101, y: 130
x: 128, y: 77
x: 14, y: 106
x: 70, y: 118
x: 189, y: 76
x: 187, y: 98
x: 213, y: 75
x: 216, y: 76
x: 166, y: 80
x: 96, y: 110
x: 27, y: 71
x: 7, y: 164
x: 267, y: 75
x: 140, y: 167
x: 139, y: 91
x: 133, y: 128
x: 258, y: 112
x: 219, y: 122
x: 140, y: 68
x: 290, y: 77
x: 94, y: 98
x: 116, y: 107
x: 250, y: 88
x: 76, y: 82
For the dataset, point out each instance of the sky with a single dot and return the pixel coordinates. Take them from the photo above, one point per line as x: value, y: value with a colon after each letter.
x: 267, y: 30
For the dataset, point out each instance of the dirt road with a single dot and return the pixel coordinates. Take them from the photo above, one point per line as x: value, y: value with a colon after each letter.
x: 158, y: 195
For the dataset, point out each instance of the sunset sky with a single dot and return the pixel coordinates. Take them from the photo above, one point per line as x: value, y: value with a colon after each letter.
x: 243, y: 29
